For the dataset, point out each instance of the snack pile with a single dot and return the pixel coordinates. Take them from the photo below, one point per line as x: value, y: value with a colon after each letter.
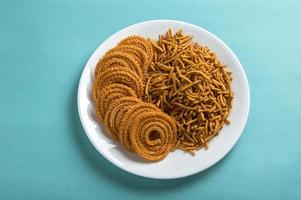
x: 158, y: 96
x: 118, y: 89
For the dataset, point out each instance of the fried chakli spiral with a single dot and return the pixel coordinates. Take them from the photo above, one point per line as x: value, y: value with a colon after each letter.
x: 115, y: 111
x: 141, y: 43
x: 126, y: 121
x: 135, y: 52
x: 110, y: 93
x: 119, y: 75
x: 111, y: 63
x: 153, y: 135
x: 132, y: 64
x: 148, y: 131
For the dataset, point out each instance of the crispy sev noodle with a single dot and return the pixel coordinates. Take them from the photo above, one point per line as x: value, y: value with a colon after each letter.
x: 188, y: 82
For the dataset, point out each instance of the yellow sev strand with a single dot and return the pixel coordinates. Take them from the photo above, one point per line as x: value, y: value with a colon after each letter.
x: 156, y: 46
x: 192, y: 86
x: 147, y: 85
x: 184, y: 106
x: 198, y: 72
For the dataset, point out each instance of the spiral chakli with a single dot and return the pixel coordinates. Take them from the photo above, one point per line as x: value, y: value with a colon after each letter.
x: 131, y: 63
x: 118, y: 108
x: 122, y: 76
x: 110, y: 93
x: 134, y: 52
x: 153, y: 135
x: 115, y: 62
x: 127, y: 119
x: 118, y: 90
x: 141, y: 43
x: 148, y: 132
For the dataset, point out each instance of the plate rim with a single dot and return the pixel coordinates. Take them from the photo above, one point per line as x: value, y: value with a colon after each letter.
x: 184, y: 174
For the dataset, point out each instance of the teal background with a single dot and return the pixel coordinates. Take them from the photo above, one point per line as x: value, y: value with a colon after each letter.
x: 44, y: 152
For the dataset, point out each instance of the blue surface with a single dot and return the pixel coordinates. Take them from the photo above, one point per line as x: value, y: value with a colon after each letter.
x: 44, y: 153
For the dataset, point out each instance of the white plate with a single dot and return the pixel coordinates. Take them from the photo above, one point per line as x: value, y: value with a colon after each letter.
x: 177, y: 164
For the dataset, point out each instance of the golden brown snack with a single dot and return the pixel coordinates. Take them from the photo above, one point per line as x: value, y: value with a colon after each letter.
x: 106, y: 61
x: 153, y: 135
x: 135, y: 52
x: 114, y: 110
x: 121, y: 113
x: 143, y: 44
x: 108, y: 94
x: 188, y: 82
x: 115, y: 62
x: 187, y: 89
x: 119, y: 75
x: 127, y: 119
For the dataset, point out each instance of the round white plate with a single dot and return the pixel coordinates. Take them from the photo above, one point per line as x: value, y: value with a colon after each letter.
x: 177, y: 164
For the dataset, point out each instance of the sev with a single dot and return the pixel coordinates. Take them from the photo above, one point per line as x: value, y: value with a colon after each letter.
x: 188, y: 82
